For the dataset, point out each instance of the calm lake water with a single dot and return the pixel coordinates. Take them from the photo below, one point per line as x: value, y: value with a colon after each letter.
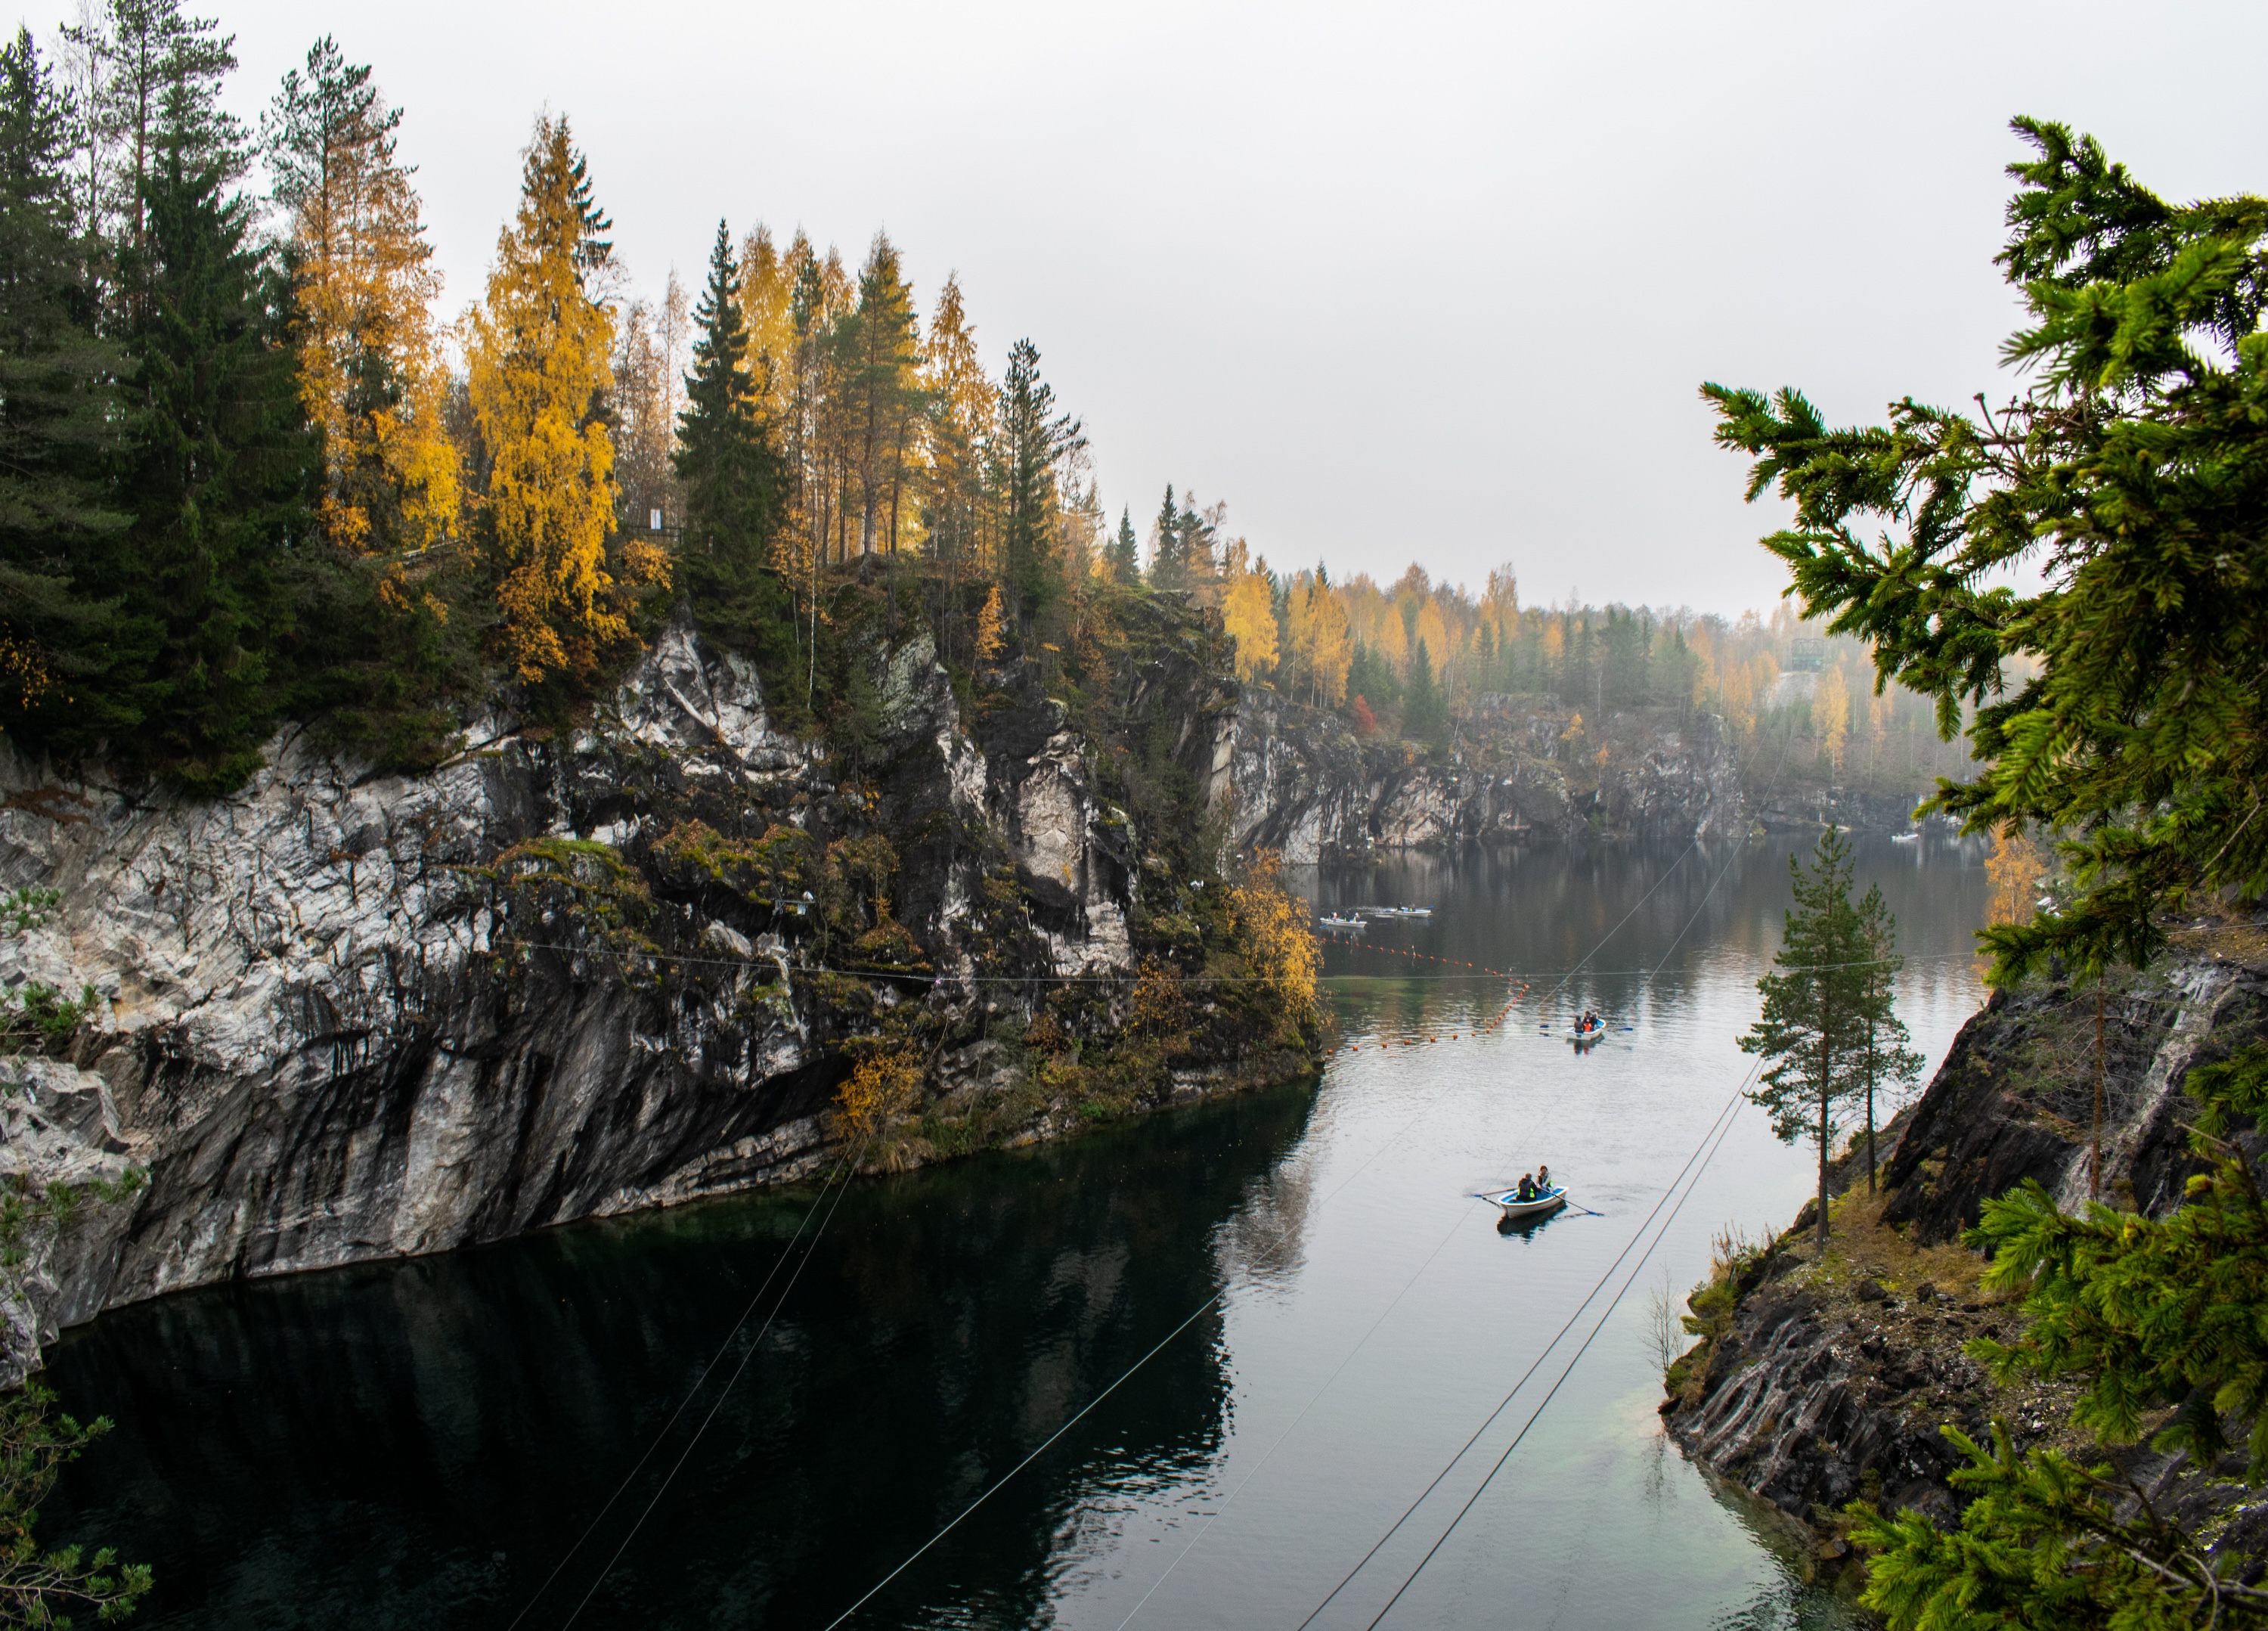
x: 419, y: 1445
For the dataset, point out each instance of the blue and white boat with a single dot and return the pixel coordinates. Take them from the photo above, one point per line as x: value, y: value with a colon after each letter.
x: 1508, y: 1201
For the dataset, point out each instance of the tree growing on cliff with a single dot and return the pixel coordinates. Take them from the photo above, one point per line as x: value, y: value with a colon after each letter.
x: 725, y: 462
x: 2162, y: 1321
x: 2132, y: 478
x: 538, y: 374
x: 60, y: 420
x: 1813, y: 1032
x: 1033, y: 440
x: 361, y: 286
x: 216, y: 475
x: 1887, y: 1058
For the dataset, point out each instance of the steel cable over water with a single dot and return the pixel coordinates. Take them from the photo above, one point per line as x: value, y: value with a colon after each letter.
x: 1209, y: 1303
x: 1217, y: 1297
x: 1717, y: 1125
x: 723, y: 1393
x: 841, y: 1168
x: 1648, y: 975
x: 1569, y: 1368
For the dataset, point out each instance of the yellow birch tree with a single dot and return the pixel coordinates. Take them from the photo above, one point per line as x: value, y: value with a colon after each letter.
x: 363, y: 286
x: 536, y: 356
x: 1248, y: 612
x: 1831, y: 705
x: 1333, y: 648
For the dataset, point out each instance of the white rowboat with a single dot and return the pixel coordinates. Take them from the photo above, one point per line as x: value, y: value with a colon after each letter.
x: 1508, y: 1201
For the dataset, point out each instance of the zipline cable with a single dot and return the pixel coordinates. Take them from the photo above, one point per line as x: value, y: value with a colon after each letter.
x: 1721, y: 1120
x: 723, y: 1393
x: 1121, y: 1378
x: 1418, y: 1274
x: 1628, y: 1281
x: 691, y: 1394
x: 1221, y: 1294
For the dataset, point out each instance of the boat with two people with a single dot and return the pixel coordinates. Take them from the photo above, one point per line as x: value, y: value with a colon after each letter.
x: 1332, y: 920
x: 1395, y: 912
x: 1535, y: 1196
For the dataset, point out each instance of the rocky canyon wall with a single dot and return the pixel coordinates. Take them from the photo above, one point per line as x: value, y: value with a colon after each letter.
x: 343, y: 1014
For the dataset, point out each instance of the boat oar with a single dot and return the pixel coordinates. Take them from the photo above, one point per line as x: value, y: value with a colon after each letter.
x: 1586, y: 1211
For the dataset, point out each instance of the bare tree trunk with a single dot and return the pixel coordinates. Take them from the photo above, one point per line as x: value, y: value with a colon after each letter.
x: 1826, y: 1080
x: 2095, y: 1159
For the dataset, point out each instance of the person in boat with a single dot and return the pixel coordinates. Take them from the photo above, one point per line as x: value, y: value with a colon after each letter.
x: 1526, y: 1186
x: 1543, y: 1180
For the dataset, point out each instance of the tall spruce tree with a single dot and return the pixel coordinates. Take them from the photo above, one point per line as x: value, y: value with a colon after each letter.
x: 59, y: 428
x: 1033, y: 440
x: 1813, y: 1032
x: 2132, y: 477
x: 221, y: 471
x: 1425, y: 715
x: 1167, y: 570
x: 1887, y: 1056
x: 725, y: 465
x: 1125, y: 555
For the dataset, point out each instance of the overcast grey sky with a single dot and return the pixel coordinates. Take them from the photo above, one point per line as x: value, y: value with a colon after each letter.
x: 1425, y: 280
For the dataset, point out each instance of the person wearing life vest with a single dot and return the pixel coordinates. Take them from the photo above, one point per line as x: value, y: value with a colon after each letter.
x: 1543, y: 1180
x: 1527, y: 1186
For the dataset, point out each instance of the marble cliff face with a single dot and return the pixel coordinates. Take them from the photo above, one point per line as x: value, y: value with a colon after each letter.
x: 344, y: 1015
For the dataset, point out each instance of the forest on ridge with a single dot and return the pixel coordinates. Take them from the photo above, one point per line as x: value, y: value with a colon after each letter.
x: 254, y: 472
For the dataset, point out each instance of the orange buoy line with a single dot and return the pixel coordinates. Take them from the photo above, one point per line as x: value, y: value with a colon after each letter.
x: 1502, y: 1015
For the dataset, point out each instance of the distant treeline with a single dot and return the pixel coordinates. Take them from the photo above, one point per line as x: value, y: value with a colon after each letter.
x: 247, y: 473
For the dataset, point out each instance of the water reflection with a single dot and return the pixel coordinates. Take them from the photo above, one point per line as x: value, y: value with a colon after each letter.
x: 416, y: 1445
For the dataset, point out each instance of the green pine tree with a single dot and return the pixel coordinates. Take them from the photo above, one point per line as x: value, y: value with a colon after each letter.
x: 1426, y: 712
x: 1167, y: 570
x: 1887, y: 1056
x: 219, y: 478
x: 730, y: 474
x: 1033, y: 440
x: 2132, y: 479
x: 1126, y: 553
x: 1813, y: 1029
x: 60, y: 429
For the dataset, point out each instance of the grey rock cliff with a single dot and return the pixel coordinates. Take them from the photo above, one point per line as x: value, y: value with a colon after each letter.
x: 1519, y: 769
x: 1823, y: 1386
x: 338, y: 1020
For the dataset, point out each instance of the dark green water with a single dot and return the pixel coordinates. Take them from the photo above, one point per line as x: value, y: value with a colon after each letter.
x: 419, y: 1445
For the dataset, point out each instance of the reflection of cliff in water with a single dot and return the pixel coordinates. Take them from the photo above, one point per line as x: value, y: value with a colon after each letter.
x: 417, y: 1443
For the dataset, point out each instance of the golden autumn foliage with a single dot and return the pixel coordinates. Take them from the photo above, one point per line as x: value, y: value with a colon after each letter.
x: 2013, y: 870
x: 990, y: 622
x: 371, y: 374
x: 1830, y: 708
x: 1160, y: 1006
x: 1318, y: 638
x: 1273, y: 931
x: 1249, y: 610
x: 883, y: 1089
x: 23, y: 669
x: 538, y: 373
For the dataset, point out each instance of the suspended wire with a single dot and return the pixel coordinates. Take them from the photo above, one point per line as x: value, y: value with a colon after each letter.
x: 722, y: 1394
x: 695, y: 1391
x: 1415, y: 1275
x: 1214, y: 1301
x: 1565, y: 1372
x: 1722, y: 1119
x: 1336, y: 1191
